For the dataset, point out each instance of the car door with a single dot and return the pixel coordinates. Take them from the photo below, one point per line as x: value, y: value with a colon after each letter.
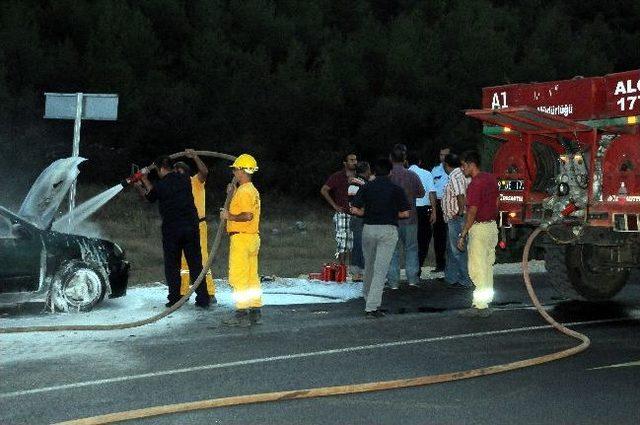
x: 20, y: 253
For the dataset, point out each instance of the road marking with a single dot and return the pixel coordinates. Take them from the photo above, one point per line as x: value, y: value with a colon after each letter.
x: 630, y: 364
x: 296, y: 356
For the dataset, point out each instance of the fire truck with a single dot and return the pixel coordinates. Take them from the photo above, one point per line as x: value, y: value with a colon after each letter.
x: 567, y: 157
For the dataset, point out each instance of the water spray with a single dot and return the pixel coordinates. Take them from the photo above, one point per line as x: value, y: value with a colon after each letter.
x: 86, y: 209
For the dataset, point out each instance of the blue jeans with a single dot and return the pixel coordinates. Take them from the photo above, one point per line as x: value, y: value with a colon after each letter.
x: 357, y: 257
x: 408, y: 238
x: 456, y: 269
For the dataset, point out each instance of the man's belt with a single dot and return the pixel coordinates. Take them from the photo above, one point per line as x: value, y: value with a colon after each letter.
x: 202, y: 219
x: 244, y: 233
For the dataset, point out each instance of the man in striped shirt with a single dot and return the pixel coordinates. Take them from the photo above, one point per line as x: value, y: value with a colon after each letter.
x: 453, y: 201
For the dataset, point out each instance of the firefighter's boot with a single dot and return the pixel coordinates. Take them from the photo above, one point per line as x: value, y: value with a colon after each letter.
x: 239, y: 319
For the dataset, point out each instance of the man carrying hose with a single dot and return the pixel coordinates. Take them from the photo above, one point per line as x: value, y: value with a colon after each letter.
x: 243, y: 220
x: 179, y: 228
x: 198, y: 191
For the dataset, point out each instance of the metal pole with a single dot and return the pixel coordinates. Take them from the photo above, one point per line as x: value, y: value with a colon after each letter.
x: 76, y: 152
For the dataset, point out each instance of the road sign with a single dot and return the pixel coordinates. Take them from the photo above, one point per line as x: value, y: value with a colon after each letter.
x: 63, y: 106
x: 78, y: 107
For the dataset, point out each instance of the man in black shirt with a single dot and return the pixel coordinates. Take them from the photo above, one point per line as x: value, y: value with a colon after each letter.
x: 381, y: 203
x: 179, y: 228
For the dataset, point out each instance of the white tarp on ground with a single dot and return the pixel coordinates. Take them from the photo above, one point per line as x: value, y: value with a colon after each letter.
x: 142, y: 302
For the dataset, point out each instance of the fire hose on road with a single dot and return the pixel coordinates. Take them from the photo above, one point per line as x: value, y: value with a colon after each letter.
x: 168, y: 311
x: 364, y: 387
x: 310, y: 392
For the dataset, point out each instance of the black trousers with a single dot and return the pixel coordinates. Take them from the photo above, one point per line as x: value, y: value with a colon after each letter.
x: 175, y: 240
x: 440, y: 237
x: 424, y: 233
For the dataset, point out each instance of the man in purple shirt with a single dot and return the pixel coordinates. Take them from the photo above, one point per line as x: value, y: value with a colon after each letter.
x: 480, y: 225
x: 407, y: 227
x: 335, y: 193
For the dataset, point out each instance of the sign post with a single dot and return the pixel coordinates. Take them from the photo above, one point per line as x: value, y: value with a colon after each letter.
x: 79, y: 106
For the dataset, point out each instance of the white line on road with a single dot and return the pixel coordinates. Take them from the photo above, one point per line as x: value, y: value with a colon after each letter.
x: 296, y: 356
x: 630, y: 364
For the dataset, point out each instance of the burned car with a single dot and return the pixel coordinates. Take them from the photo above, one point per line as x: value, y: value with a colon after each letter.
x: 69, y: 272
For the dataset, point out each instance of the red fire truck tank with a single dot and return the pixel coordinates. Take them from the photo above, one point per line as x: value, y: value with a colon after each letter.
x: 567, y: 157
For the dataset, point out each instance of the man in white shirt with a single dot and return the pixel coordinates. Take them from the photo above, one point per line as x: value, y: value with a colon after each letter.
x: 440, y: 180
x: 424, y: 208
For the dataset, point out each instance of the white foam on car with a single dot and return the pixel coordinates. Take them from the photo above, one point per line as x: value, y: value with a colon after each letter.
x: 47, y: 192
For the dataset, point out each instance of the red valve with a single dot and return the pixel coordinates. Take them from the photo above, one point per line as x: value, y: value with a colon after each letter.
x: 569, y: 209
x: 136, y: 177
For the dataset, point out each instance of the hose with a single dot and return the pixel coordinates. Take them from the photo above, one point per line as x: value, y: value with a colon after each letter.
x: 546, y: 160
x: 365, y: 387
x: 177, y: 305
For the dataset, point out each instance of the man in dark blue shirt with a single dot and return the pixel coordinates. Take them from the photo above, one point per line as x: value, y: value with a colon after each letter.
x: 179, y: 228
x: 381, y: 203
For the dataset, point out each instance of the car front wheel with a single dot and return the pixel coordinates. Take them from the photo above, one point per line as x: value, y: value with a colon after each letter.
x: 77, y: 286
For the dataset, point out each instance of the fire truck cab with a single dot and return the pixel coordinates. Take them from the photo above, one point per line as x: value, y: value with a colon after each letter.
x: 567, y: 157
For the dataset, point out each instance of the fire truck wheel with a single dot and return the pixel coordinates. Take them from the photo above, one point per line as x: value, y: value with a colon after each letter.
x: 570, y: 273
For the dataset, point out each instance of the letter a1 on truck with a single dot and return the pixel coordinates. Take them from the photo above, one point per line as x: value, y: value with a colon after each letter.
x: 567, y: 157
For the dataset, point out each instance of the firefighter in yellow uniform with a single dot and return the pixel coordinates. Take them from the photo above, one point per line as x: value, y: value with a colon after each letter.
x: 243, y: 220
x: 198, y: 191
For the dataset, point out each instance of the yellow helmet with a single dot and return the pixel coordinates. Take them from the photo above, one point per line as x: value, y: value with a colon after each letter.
x: 245, y: 162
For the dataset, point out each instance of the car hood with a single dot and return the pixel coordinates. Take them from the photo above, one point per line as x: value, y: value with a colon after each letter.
x: 49, y: 190
x: 15, y: 219
x: 96, y: 247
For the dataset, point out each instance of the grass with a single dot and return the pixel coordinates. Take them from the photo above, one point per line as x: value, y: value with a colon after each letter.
x: 286, y: 249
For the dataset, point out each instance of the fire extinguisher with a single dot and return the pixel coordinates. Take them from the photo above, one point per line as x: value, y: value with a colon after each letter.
x: 326, y: 273
x: 341, y: 273
x: 334, y: 272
